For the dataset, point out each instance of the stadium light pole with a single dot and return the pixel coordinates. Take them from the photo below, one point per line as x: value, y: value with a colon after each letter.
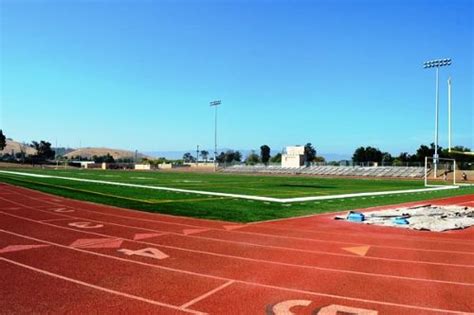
x: 215, y: 104
x: 449, y: 114
x: 436, y: 64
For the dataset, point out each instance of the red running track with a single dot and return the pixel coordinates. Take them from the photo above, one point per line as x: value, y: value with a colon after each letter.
x: 59, y: 255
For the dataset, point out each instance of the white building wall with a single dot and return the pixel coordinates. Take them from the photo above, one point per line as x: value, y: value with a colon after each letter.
x: 294, y: 157
x: 292, y: 160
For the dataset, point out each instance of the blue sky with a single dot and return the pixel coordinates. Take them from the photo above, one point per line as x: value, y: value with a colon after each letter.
x: 140, y: 74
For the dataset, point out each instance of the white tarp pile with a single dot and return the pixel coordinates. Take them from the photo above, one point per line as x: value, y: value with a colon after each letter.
x: 426, y: 217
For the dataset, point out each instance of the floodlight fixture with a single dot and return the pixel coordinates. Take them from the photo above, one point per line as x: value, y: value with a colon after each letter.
x: 437, y: 63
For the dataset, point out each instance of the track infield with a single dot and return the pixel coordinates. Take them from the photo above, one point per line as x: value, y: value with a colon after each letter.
x: 59, y: 255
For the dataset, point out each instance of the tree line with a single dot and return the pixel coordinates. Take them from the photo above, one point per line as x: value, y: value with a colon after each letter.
x: 264, y: 156
x: 364, y: 155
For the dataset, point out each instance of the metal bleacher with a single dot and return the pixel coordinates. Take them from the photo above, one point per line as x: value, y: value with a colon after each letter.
x: 326, y: 170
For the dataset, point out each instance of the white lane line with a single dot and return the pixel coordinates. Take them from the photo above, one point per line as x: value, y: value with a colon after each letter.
x: 245, y: 282
x: 205, y: 295
x: 53, y: 220
x: 249, y: 197
x: 96, y: 287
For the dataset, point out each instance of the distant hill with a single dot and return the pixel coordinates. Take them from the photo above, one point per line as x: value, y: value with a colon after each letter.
x: 90, y: 152
x: 17, y: 147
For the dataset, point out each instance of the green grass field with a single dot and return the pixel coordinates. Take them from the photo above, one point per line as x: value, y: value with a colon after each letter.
x: 223, y: 208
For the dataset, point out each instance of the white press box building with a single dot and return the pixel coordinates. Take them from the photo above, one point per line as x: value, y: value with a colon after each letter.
x: 293, y: 157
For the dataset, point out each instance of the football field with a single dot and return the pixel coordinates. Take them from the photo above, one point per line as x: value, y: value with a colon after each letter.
x: 240, y: 198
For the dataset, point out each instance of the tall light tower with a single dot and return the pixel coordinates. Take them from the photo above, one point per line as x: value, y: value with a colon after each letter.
x: 215, y: 104
x: 436, y: 64
x: 449, y: 114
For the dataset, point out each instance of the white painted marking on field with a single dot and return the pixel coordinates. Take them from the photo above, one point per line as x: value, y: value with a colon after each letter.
x: 97, y: 243
x: 284, y: 308
x: 145, y: 252
x: 232, y: 227
x: 85, y: 225
x: 144, y: 236
x: 249, y: 197
x: 358, y: 250
x: 16, y: 248
x: 340, y: 309
x: 207, y: 294
x: 187, y: 181
x: 63, y: 210
x: 194, y: 231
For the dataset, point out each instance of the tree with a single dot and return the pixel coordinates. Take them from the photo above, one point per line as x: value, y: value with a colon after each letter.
x: 103, y: 159
x: 387, y: 158
x: 204, y: 155
x: 3, y: 140
x: 237, y: 156
x: 43, y: 150
x: 373, y: 155
x: 359, y: 155
x: 276, y: 158
x: 220, y: 158
x: 404, y: 157
x: 319, y: 159
x: 229, y: 156
x: 423, y: 151
x: 367, y: 154
x: 265, y: 154
x: 309, y: 152
x: 188, y: 158
x: 252, y: 158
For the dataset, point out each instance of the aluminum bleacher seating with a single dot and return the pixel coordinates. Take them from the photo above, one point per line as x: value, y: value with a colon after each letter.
x: 328, y: 170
